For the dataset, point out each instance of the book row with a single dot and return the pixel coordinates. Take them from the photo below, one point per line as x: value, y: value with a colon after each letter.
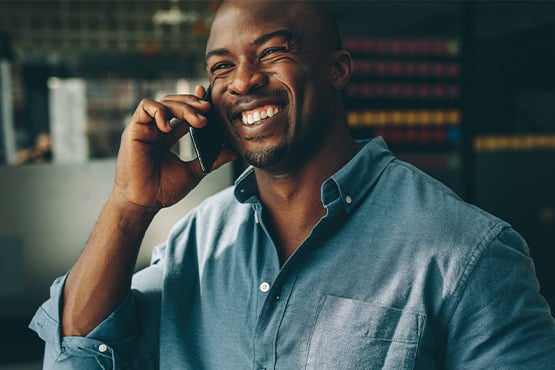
x: 366, y: 90
x: 408, y: 69
x: 518, y: 142
x: 431, y: 136
x: 412, y: 47
x: 423, y: 117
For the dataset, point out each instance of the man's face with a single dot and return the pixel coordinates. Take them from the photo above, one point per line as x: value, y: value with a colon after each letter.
x: 270, y: 78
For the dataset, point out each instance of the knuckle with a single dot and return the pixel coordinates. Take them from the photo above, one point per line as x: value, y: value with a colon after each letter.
x: 145, y: 101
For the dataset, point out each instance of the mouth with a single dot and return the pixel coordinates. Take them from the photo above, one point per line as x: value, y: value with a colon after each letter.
x: 257, y: 115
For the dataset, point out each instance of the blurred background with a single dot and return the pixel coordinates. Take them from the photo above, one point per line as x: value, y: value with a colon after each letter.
x: 464, y: 90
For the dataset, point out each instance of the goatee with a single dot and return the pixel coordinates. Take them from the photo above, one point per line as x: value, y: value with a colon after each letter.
x: 265, y: 157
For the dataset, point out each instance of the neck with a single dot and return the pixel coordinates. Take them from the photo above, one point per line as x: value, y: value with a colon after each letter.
x: 292, y: 198
x: 297, y: 184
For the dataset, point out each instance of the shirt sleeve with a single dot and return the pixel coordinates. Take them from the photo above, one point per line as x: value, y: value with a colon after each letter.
x: 128, y: 338
x: 501, y: 321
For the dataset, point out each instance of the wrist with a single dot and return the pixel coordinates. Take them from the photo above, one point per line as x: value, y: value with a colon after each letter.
x: 129, y: 215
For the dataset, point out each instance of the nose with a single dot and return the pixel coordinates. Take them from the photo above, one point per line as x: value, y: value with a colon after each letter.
x: 246, y: 79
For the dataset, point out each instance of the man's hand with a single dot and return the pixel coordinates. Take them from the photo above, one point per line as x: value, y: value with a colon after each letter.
x: 148, y: 175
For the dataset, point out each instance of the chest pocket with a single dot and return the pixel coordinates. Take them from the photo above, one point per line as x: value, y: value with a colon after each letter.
x: 356, y: 335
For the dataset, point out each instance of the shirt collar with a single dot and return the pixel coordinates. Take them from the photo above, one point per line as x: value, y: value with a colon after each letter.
x: 350, y: 184
x: 346, y: 187
x: 245, y: 186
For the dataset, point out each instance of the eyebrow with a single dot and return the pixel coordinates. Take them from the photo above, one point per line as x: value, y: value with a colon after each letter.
x: 288, y: 35
x: 285, y: 34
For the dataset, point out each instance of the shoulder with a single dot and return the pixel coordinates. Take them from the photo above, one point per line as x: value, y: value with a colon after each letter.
x: 429, y: 223
x: 422, y: 200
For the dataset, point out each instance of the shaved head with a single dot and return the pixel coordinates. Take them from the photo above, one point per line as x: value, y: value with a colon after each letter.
x: 317, y: 22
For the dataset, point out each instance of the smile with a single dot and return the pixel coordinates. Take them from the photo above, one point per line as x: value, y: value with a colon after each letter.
x: 257, y: 115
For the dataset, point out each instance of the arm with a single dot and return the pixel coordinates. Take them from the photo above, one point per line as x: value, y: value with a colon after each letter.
x: 148, y: 178
x: 501, y: 321
x: 101, y: 277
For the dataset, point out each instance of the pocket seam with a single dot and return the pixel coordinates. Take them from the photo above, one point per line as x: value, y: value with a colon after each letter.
x: 323, y: 299
x: 419, y: 316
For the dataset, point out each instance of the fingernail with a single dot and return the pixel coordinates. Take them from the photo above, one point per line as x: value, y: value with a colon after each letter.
x: 173, y: 123
x: 202, y: 118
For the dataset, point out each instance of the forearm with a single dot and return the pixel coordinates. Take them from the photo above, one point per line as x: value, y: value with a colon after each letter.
x: 148, y: 177
x: 101, y: 277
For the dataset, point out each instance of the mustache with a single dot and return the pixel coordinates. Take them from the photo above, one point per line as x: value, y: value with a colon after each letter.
x: 245, y: 99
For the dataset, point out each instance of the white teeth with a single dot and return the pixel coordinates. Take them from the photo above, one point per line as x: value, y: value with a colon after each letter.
x: 258, y: 115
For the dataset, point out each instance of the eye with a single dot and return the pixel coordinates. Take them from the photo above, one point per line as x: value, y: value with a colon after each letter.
x: 220, y: 66
x: 273, y: 50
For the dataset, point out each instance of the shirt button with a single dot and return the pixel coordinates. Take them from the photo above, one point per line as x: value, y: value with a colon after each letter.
x: 348, y: 199
x: 264, y: 287
x: 102, y: 348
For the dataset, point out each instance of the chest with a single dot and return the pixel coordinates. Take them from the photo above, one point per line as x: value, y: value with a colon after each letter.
x: 334, y: 304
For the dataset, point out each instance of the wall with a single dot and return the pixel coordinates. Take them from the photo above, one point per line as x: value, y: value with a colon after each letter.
x: 46, y: 215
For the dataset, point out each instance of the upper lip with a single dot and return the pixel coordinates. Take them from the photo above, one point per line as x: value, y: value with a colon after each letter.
x: 255, y: 103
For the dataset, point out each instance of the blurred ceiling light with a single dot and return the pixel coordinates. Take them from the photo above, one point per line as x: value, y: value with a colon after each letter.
x: 174, y: 16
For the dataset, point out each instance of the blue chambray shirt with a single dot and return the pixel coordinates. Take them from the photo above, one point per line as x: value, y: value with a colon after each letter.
x: 400, y: 274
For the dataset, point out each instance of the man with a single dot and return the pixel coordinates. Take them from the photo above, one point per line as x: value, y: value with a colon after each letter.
x: 327, y: 253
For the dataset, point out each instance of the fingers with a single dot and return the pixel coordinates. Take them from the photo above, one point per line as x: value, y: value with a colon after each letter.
x: 184, y: 108
x: 165, y: 122
x: 188, y: 108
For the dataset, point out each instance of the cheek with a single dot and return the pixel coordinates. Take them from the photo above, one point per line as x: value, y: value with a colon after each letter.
x: 308, y: 103
x: 233, y: 137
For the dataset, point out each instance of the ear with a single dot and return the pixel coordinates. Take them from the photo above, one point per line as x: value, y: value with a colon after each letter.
x: 342, y: 69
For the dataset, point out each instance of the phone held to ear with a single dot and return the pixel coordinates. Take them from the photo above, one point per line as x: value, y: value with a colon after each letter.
x: 208, y: 141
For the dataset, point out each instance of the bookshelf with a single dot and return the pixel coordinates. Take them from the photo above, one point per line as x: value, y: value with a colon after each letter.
x: 408, y: 91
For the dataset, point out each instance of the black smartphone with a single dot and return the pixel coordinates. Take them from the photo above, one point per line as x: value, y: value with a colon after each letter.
x: 208, y: 141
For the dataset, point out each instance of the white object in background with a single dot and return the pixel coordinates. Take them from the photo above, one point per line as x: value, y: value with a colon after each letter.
x: 68, y: 119
x: 6, y: 112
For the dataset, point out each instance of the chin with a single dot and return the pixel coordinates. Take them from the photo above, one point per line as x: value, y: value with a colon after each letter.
x: 265, y: 158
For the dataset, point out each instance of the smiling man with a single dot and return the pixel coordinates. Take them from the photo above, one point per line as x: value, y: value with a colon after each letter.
x: 327, y: 253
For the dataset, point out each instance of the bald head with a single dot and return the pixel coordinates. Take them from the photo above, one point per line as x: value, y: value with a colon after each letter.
x: 309, y: 18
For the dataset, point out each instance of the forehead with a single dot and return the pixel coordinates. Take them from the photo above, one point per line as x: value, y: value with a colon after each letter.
x: 240, y: 22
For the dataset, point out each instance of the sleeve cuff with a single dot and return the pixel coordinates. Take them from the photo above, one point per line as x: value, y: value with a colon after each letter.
x: 102, y: 345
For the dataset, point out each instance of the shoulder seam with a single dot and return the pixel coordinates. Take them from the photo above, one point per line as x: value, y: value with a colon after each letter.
x: 492, y: 234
